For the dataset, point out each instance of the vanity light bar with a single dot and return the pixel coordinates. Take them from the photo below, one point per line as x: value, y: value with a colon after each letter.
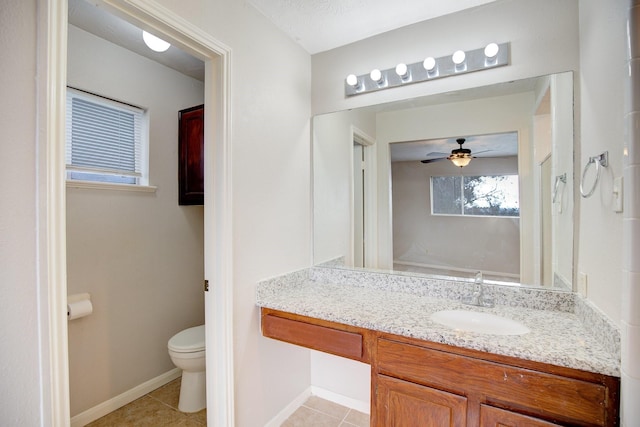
x: 491, y: 56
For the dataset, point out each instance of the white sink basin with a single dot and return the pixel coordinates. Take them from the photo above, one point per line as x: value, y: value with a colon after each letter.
x: 474, y: 321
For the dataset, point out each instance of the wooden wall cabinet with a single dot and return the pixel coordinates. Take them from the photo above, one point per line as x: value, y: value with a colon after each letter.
x: 191, y: 156
x: 417, y: 383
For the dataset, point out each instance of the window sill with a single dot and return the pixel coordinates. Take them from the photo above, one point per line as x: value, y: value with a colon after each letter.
x: 110, y: 186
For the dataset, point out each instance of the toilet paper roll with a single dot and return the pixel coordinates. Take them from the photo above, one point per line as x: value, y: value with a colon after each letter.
x: 78, y: 309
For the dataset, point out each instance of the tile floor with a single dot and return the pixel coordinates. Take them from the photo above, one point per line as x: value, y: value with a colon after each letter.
x: 160, y: 408
x: 317, y: 412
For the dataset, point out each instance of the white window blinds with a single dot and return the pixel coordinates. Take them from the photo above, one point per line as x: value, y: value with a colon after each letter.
x: 104, y: 139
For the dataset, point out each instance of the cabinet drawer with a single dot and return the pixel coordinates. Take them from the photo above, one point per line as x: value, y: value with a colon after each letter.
x: 322, y: 338
x: 540, y: 394
x: 494, y: 417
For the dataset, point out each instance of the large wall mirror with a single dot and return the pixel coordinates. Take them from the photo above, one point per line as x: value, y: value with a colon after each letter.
x: 387, y: 196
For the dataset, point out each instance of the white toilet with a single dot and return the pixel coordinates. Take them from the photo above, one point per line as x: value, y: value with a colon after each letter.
x: 187, y: 352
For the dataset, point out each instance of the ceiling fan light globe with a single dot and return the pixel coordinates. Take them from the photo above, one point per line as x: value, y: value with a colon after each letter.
x: 460, y: 157
x: 460, y: 161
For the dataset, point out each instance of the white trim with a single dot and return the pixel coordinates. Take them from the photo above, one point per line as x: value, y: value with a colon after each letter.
x: 349, y: 402
x: 295, y: 404
x: 149, y: 15
x: 458, y: 269
x: 289, y: 409
x: 125, y: 398
x: 52, y: 274
x: 52, y: 213
x: 370, y: 198
x: 94, y: 185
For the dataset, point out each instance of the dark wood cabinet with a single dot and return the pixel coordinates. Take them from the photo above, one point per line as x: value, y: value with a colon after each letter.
x: 191, y: 156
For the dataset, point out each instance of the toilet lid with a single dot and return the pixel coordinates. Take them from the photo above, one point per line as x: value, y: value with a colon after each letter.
x: 188, y: 341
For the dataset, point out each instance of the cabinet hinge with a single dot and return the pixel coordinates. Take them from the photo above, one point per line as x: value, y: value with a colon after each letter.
x: 206, y: 286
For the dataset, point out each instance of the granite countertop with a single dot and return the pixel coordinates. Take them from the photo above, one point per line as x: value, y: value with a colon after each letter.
x: 557, y: 337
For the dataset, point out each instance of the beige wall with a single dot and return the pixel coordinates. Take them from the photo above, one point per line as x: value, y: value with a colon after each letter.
x: 539, y: 46
x: 270, y: 146
x: 332, y: 180
x: 602, y: 70
x: 20, y: 375
x: 139, y: 255
x: 478, y: 117
x: 471, y: 243
x: 271, y: 203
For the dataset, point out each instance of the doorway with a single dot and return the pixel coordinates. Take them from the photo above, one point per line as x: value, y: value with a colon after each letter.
x: 217, y: 211
x: 363, y: 201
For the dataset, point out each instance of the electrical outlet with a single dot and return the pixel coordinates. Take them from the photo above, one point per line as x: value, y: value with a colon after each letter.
x: 582, y: 284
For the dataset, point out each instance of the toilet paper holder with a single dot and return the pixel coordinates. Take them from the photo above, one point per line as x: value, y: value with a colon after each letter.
x: 79, y: 305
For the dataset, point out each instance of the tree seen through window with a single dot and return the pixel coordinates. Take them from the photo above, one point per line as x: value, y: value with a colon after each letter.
x: 486, y: 195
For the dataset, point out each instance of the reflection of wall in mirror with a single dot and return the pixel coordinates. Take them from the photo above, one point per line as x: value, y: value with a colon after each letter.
x: 332, y: 173
x: 452, y: 243
x: 476, y: 117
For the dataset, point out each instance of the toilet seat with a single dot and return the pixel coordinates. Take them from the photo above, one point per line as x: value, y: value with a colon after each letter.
x: 188, y: 341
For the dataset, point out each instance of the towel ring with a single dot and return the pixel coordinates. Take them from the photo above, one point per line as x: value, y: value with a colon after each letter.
x: 600, y: 161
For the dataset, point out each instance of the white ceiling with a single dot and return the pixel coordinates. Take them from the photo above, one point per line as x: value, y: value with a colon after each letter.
x: 105, y: 25
x: 317, y: 25
x: 320, y: 25
x: 487, y: 146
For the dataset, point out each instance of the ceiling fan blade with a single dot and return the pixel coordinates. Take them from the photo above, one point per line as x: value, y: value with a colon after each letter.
x: 435, y: 153
x: 433, y: 160
x: 487, y: 157
x: 483, y: 151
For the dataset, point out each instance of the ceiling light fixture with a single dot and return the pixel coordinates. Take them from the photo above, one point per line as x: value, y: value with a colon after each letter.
x: 460, y: 157
x: 491, y: 50
x: 429, y: 64
x: 376, y: 76
x: 154, y: 43
x: 402, y: 71
x: 460, y: 62
x: 458, y: 57
x: 352, y: 80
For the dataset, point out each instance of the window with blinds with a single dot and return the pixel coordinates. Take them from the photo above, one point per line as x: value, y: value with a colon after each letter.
x: 105, y: 140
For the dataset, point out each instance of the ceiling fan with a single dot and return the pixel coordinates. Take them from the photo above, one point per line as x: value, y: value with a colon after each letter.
x: 459, y: 157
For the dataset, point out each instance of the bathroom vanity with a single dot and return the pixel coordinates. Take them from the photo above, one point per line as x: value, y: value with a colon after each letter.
x: 424, y: 373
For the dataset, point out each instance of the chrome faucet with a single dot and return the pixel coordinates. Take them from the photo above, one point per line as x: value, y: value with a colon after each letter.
x: 479, y: 297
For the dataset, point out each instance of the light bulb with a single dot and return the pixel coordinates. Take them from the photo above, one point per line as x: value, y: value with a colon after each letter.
x: 458, y: 57
x: 154, y: 43
x: 491, y: 50
x: 429, y: 64
x: 461, y: 161
x: 402, y: 70
x: 376, y: 75
x: 352, y: 80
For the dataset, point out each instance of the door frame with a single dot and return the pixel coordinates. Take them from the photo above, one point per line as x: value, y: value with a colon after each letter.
x: 369, y: 147
x: 52, y: 19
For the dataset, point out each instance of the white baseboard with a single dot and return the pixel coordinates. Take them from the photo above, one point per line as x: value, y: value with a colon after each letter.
x: 120, y: 400
x: 289, y: 409
x: 323, y: 394
x: 349, y: 402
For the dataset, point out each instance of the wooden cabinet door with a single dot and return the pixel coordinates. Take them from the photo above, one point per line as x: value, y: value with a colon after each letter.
x: 405, y: 404
x: 191, y: 156
x: 494, y: 417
